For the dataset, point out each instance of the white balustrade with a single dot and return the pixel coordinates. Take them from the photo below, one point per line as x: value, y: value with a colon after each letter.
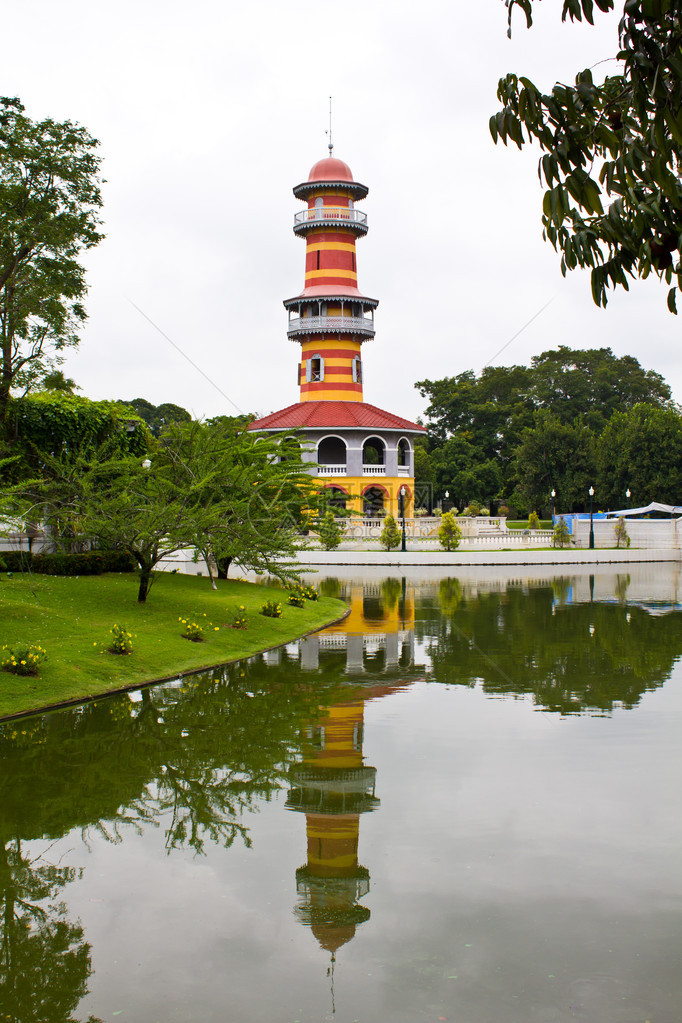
x: 331, y: 470
x: 374, y: 470
x: 331, y: 323
x: 325, y: 213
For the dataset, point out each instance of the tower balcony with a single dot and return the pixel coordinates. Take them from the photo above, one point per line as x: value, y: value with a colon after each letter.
x: 331, y: 325
x: 330, y: 216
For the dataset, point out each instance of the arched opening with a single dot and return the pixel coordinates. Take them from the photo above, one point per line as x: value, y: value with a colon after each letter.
x: 374, y: 451
x: 290, y: 450
x: 331, y: 451
x: 373, y: 502
x: 335, y: 497
x: 403, y: 453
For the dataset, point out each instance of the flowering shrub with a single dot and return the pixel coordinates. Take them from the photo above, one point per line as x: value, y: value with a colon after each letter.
x: 307, y: 592
x: 121, y: 642
x: 24, y: 661
x: 296, y: 600
x: 239, y: 620
x: 271, y: 609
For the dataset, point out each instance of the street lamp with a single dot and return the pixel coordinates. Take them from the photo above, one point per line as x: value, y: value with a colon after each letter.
x: 628, y: 495
x: 402, y: 513
x: 553, y: 496
x: 447, y: 498
x: 591, y: 523
x: 146, y: 464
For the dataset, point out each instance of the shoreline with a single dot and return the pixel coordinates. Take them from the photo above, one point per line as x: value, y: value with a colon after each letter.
x: 133, y: 686
x: 598, y: 556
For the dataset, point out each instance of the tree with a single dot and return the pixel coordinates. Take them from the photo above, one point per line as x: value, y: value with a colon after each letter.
x: 329, y: 531
x: 49, y: 198
x: 641, y: 450
x: 157, y: 417
x: 449, y: 532
x: 390, y: 534
x: 612, y: 149
x: 217, y: 489
x: 561, y: 536
x: 56, y: 381
x: 554, y: 455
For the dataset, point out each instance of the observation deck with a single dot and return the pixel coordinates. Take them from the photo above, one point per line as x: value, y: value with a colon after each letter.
x: 330, y: 216
x: 330, y: 325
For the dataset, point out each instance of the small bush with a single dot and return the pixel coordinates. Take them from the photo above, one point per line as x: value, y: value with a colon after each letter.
x: 390, y: 534
x: 239, y: 620
x: 271, y: 609
x: 503, y: 510
x: 533, y: 520
x: 329, y: 532
x: 307, y: 592
x: 296, y: 600
x: 622, y: 537
x: 449, y: 532
x: 23, y: 661
x: 561, y: 536
x: 86, y: 563
x: 121, y: 642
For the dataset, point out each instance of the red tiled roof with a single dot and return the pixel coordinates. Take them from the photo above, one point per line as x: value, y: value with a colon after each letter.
x: 339, y: 415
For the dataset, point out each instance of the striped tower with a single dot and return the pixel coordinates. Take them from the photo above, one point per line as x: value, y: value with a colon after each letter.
x: 331, y: 319
x: 362, y: 455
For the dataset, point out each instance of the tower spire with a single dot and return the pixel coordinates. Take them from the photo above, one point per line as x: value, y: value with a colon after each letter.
x: 330, y: 144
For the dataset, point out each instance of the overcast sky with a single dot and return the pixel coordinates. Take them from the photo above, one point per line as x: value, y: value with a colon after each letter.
x: 208, y: 115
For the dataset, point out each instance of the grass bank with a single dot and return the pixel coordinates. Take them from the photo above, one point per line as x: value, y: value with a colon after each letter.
x: 71, y: 617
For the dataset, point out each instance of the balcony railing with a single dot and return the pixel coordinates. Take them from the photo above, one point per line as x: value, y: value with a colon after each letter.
x: 374, y: 470
x: 346, y: 324
x: 335, y: 214
x: 331, y: 470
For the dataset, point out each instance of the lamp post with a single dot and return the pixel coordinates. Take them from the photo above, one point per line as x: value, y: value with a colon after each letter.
x: 402, y: 514
x: 591, y: 523
x: 628, y: 495
x: 146, y: 464
x: 447, y: 498
x: 553, y: 496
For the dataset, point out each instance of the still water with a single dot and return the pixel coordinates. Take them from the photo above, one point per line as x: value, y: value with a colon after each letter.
x: 461, y: 804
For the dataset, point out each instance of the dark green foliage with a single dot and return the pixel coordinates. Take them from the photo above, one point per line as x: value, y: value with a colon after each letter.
x: 86, y: 563
x: 49, y: 202
x: 158, y: 417
x: 482, y: 427
x: 59, y: 423
x: 554, y: 455
x: 612, y: 149
x: 641, y: 450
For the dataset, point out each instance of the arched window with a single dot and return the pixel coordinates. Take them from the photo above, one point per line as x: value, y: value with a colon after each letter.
x: 374, y: 451
x: 331, y: 451
x: 403, y: 452
x: 357, y: 370
x: 373, y: 502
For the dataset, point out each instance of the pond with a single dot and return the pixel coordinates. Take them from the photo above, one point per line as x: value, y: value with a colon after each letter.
x: 461, y: 804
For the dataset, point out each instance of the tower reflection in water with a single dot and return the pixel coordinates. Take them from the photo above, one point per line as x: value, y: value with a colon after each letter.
x: 372, y: 651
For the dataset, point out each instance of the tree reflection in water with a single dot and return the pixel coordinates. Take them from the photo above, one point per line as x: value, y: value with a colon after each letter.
x: 196, y: 757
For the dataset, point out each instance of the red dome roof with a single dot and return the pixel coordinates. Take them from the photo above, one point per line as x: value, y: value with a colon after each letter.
x: 330, y: 169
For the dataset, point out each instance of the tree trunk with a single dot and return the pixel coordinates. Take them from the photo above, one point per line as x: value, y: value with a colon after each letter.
x: 145, y: 577
x: 223, y: 567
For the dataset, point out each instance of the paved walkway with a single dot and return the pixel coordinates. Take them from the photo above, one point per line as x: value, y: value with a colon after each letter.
x: 487, y: 557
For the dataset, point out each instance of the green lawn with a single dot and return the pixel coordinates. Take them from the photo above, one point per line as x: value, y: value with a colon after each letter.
x: 523, y: 524
x: 71, y: 617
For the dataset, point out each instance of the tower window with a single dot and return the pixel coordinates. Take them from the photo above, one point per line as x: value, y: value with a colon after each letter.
x: 357, y: 370
x: 352, y: 259
x: 318, y: 259
x: 315, y: 369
